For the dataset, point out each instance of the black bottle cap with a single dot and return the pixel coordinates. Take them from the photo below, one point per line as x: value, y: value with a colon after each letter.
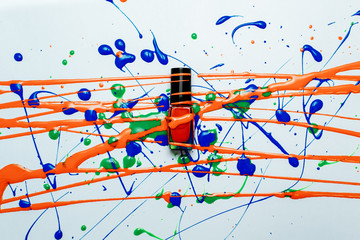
x: 180, y: 83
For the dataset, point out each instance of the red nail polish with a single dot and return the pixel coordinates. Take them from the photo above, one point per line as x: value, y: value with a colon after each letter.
x: 181, y: 106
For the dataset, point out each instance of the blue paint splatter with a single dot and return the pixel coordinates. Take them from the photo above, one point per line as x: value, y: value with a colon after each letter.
x: 225, y: 18
x: 133, y: 149
x: 122, y: 58
x: 217, y: 65
x: 84, y: 94
x: 245, y: 167
x: 356, y: 14
x: 259, y: 24
x: 18, y: 57
x: 148, y: 55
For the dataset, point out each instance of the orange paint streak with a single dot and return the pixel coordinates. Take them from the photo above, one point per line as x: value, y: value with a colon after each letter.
x: 15, y: 173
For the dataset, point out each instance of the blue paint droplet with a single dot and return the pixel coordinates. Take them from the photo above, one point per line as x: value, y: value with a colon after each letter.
x: 316, y: 106
x: 293, y: 161
x: 175, y: 199
x: 84, y: 94
x: 90, y: 115
x: 18, y: 57
x: 245, y: 167
x: 133, y: 149
x: 315, y: 53
x: 105, y: 50
x: 200, y: 171
x: 69, y: 111
x: 282, y: 116
x: 17, y: 89
x: 147, y: 55
x: 120, y: 44
x: 58, y: 234
x: 207, y: 137
x: 24, y: 204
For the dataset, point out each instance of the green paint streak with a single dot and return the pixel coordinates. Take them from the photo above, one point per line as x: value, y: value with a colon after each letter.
x: 54, y: 134
x: 295, y: 190
x: 194, y: 36
x: 64, y: 62
x: 159, y: 195
x: 107, y: 163
x: 128, y: 161
x: 211, y: 199
x: 323, y: 163
x: 357, y: 148
x: 139, y: 231
x: 140, y: 126
x: 266, y: 94
x: 87, y: 141
x: 118, y: 90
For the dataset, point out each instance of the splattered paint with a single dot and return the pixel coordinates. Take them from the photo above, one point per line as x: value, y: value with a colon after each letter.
x: 84, y: 122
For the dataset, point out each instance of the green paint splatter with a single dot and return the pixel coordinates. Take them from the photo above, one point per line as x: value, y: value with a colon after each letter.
x: 83, y: 228
x: 46, y: 186
x: 183, y: 159
x: 128, y: 161
x: 313, y: 130
x: 72, y: 52
x: 118, y: 90
x: 210, y: 97
x: 108, y: 163
x: 54, y: 134
x: 196, y: 108
x: 138, y: 163
x: 194, y: 36
x: 112, y: 140
x: 102, y: 116
x: 108, y: 125
x: 64, y: 62
x: 87, y: 141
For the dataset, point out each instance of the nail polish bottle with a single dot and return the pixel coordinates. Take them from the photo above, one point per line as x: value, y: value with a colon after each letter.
x: 181, y: 105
